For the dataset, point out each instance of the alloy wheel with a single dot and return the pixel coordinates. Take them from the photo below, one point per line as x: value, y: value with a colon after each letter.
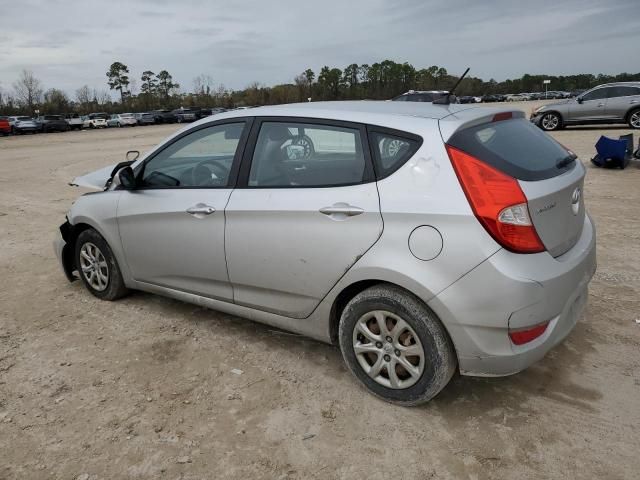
x: 94, y: 267
x: 634, y: 120
x: 550, y: 121
x: 388, y: 349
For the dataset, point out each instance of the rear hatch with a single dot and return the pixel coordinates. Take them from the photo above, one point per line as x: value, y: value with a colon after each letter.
x: 549, y: 175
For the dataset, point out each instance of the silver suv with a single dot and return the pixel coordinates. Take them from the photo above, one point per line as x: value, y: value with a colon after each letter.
x: 608, y: 103
x: 423, y: 239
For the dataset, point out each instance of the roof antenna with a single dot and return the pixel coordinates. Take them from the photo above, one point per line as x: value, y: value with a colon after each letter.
x: 446, y: 99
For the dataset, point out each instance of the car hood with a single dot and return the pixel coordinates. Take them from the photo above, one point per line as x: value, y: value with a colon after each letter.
x: 94, y: 180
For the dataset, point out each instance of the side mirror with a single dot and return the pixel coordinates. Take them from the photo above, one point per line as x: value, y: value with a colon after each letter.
x: 132, y: 155
x: 126, y: 178
x: 579, y: 99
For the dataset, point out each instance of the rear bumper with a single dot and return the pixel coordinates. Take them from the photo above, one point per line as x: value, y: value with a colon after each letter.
x: 516, y: 291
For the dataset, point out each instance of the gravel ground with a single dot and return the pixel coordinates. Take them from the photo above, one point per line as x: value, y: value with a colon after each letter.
x: 148, y: 387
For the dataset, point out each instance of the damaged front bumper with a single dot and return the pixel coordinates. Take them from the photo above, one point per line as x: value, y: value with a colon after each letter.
x: 63, y: 248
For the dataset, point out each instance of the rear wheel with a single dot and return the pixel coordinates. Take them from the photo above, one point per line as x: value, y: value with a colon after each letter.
x: 97, y: 266
x: 550, y: 121
x: 634, y: 118
x: 396, y: 346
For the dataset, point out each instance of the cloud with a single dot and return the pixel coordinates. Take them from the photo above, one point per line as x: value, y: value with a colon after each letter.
x: 237, y: 42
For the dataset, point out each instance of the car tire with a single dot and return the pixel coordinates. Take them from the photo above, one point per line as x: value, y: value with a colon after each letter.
x: 97, y: 266
x: 421, y: 343
x: 550, y: 121
x: 634, y: 118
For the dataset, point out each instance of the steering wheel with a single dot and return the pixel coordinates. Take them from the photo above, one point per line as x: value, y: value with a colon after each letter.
x: 209, y: 173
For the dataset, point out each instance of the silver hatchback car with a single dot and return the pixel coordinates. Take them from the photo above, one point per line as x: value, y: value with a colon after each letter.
x: 608, y: 103
x: 422, y: 239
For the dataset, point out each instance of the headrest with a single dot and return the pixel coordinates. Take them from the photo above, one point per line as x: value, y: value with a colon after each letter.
x: 277, y: 132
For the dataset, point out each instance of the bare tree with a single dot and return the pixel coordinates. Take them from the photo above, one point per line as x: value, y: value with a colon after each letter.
x: 101, y: 97
x: 83, y: 95
x: 202, y: 84
x: 28, y: 89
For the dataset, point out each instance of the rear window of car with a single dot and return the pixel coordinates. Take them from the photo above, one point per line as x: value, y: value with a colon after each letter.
x: 515, y: 147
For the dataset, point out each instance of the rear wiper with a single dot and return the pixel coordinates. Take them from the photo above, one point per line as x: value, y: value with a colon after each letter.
x: 566, y: 161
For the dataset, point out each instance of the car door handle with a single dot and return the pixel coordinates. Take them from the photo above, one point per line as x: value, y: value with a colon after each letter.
x: 342, y: 209
x: 633, y: 101
x: 601, y: 104
x: 201, y: 209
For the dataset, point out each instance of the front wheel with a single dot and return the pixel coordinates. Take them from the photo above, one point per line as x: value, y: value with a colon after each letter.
x: 396, y: 346
x: 634, y: 119
x: 98, y: 267
x: 550, y: 121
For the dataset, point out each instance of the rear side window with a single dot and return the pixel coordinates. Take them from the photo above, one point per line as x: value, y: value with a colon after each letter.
x: 307, y: 155
x: 623, y: 91
x: 391, y: 151
x: 515, y: 147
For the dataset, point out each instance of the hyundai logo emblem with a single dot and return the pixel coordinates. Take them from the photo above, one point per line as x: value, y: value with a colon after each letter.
x: 575, y: 200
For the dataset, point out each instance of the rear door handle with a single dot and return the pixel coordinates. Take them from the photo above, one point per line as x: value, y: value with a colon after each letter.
x: 633, y: 101
x: 601, y: 104
x: 201, y: 209
x: 342, y: 209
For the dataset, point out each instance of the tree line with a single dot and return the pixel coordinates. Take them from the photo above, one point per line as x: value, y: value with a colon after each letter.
x: 377, y: 81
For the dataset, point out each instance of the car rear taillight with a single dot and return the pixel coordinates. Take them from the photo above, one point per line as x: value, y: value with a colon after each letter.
x: 497, y: 202
x: 520, y: 337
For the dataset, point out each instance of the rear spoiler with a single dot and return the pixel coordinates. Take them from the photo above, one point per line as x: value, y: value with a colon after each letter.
x: 471, y: 117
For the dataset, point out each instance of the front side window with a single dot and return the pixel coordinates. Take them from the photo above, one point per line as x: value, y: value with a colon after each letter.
x: 200, y: 159
x: 596, y: 94
x: 306, y: 155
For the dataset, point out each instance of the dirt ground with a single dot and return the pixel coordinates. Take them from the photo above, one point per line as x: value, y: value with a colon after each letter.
x: 144, y: 387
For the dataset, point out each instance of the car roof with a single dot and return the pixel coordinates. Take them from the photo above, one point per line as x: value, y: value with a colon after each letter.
x: 407, y: 116
x: 620, y: 84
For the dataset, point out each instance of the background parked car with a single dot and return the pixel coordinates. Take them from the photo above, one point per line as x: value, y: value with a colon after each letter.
x: 145, y: 118
x: 517, y: 97
x: 96, y: 120
x: 420, y: 96
x: 608, y: 103
x: 187, y: 115
x: 494, y: 97
x: 74, y: 121
x: 53, y: 123
x: 5, y: 126
x: 164, y: 116
x: 122, y: 120
x: 21, y: 125
x: 466, y: 99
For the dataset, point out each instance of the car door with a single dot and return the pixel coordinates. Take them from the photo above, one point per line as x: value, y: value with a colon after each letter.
x: 172, y: 225
x: 591, y: 107
x: 621, y: 100
x: 305, y: 210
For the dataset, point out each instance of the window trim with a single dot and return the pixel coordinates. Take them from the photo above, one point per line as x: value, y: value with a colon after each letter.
x: 377, y: 161
x: 235, y: 165
x: 368, y: 175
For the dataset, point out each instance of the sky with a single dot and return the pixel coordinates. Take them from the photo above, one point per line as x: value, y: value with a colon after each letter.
x: 70, y: 43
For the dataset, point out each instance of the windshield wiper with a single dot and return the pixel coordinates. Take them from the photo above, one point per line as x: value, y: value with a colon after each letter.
x: 566, y: 161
